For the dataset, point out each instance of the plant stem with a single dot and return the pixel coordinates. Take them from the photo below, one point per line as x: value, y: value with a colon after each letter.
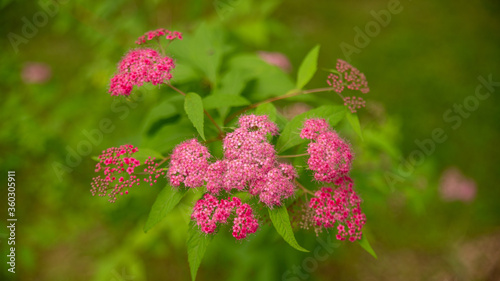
x: 292, y: 156
x: 161, y: 47
x: 303, y: 188
x: 292, y: 93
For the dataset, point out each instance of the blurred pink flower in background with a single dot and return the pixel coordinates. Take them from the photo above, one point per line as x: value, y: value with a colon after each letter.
x: 277, y: 59
x: 454, y: 186
x: 36, y: 73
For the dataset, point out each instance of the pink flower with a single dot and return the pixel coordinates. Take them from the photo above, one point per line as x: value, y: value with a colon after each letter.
x: 209, y: 212
x: 245, y: 222
x: 140, y: 66
x: 250, y: 163
x: 354, y: 103
x: 150, y: 35
x: 36, y: 73
x: 454, y: 186
x: 277, y: 59
x: 340, y: 208
x: 113, y: 166
x: 330, y: 156
x: 189, y: 164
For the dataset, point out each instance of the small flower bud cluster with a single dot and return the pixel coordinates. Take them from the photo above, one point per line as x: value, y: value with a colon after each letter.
x: 330, y: 156
x: 340, y: 208
x: 140, y: 66
x: 354, y: 103
x: 350, y: 77
x: 189, y: 164
x: 150, y: 35
x: 209, y: 211
x: 115, y: 169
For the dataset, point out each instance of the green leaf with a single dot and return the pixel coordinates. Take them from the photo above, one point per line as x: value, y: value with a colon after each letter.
x: 197, y: 243
x: 143, y: 153
x: 219, y: 101
x: 281, y: 221
x: 165, y: 202
x: 95, y: 158
x: 354, y: 121
x: 194, y: 109
x: 308, y: 67
x: 366, y: 245
x: 291, y: 133
x: 267, y: 109
x: 164, y: 110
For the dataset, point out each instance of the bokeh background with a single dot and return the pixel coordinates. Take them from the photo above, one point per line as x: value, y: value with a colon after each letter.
x: 434, y: 220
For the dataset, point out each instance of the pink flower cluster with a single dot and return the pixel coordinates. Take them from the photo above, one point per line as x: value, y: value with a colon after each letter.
x: 118, y: 167
x: 115, y: 168
x: 350, y: 77
x: 339, y: 207
x: 209, y: 211
x: 150, y: 35
x: 188, y: 164
x: 249, y: 164
x: 250, y: 161
x: 330, y: 156
x: 140, y: 66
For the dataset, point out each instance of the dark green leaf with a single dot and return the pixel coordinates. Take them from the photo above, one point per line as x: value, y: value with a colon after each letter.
x: 281, y: 221
x: 193, y: 106
x: 197, y: 243
x: 290, y: 136
x: 165, y: 202
x: 308, y: 67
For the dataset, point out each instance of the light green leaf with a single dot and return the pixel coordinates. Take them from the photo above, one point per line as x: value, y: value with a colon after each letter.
x: 354, y: 121
x: 197, y: 243
x: 291, y: 133
x: 366, y: 245
x: 219, y: 101
x: 95, y: 158
x: 143, y: 153
x: 193, y: 106
x: 165, y: 202
x: 281, y: 221
x: 308, y: 67
x: 267, y: 109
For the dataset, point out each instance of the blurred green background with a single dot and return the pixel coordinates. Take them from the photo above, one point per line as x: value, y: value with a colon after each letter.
x: 423, y: 62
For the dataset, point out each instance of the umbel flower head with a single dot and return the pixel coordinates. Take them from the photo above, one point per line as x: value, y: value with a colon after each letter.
x: 330, y: 156
x: 339, y: 208
x: 140, y: 66
x: 250, y: 163
x: 189, y: 164
x: 210, y: 211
